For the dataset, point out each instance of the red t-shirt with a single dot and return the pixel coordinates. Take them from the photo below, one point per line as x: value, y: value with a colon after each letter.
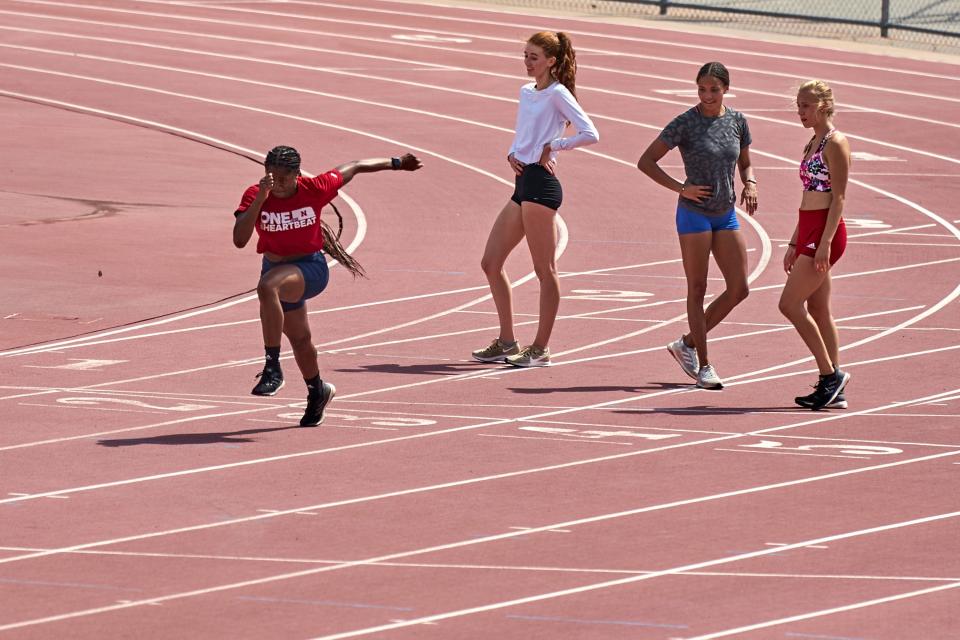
x: 290, y: 226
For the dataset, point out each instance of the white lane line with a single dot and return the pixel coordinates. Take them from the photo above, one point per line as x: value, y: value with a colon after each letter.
x: 622, y: 38
x: 481, y: 374
x: 790, y: 123
x: 423, y: 296
x: 567, y: 440
x: 827, y: 612
x: 793, y: 453
x: 523, y: 472
x: 497, y: 567
x: 497, y: 605
x: 673, y: 571
x: 475, y: 36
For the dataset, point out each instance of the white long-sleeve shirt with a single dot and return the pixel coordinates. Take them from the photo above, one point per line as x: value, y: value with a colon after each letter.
x: 542, y: 117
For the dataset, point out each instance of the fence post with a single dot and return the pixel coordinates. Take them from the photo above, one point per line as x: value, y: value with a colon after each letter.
x: 664, y: 3
x: 884, y: 18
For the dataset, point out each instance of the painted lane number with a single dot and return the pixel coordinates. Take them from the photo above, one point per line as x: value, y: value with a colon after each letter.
x: 851, y: 449
x: 133, y: 403
x: 597, y: 435
x: 380, y: 421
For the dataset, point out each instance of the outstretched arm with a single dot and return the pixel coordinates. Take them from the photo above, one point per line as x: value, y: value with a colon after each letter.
x: 406, y: 162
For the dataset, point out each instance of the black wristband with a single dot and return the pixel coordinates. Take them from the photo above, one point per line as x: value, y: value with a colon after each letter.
x: 395, y: 163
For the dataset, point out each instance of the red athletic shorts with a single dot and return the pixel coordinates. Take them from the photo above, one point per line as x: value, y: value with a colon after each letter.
x: 810, y: 230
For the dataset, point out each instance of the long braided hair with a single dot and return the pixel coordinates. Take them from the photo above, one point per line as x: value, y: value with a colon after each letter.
x: 289, y: 158
x: 557, y: 45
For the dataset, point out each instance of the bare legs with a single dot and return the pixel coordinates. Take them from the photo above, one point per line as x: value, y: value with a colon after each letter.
x: 537, y: 223
x: 805, y: 301
x: 507, y: 232
x: 730, y: 252
x: 285, y: 282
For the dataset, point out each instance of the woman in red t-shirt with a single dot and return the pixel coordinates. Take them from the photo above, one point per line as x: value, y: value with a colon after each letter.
x: 284, y: 209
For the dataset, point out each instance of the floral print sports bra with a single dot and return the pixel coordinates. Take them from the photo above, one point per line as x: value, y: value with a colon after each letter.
x: 814, y: 173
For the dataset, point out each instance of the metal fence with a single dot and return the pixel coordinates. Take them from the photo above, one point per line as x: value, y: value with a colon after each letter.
x: 931, y: 24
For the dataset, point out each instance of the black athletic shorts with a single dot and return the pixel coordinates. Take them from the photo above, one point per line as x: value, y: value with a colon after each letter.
x: 536, y: 184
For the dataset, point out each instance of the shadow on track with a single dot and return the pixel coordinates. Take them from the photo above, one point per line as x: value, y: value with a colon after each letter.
x: 704, y: 410
x: 600, y: 388
x: 426, y: 368
x: 223, y: 437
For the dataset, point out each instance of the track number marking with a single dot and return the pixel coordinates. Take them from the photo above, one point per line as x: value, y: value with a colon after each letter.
x: 865, y: 223
x: 851, y: 449
x: 609, y: 294
x: 95, y: 401
x: 599, y: 435
x: 380, y: 421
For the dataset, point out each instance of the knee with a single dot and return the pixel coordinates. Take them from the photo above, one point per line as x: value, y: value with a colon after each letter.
x: 740, y: 292
x: 790, y: 309
x: 266, y: 290
x: 490, y: 266
x: 301, y: 343
x: 696, y: 290
x: 546, y: 272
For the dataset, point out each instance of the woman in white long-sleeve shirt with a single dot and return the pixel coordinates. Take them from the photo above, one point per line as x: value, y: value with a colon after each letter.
x: 547, y: 107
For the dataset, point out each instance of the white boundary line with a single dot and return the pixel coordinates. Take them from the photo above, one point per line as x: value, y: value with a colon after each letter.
x: 488, y: 567
x: 639, y: 25
x: 474, y: 36
x: 485, y: 539
x: 827, y: 612
x: 755, y: 115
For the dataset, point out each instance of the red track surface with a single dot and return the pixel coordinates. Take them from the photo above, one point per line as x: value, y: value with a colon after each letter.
x: 144, y: 494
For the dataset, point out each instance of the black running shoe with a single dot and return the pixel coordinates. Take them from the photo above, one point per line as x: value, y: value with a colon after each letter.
x: 313, y: 415
x: 827, y: 389
x: 271, y: 379
x: 840, y: 402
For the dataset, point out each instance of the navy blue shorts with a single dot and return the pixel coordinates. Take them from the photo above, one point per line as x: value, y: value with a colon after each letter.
x: 695, y: 222
x: 315, y: 272
x: 536, y: 184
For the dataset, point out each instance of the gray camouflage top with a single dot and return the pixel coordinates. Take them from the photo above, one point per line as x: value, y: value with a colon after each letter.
x: 710, y: 148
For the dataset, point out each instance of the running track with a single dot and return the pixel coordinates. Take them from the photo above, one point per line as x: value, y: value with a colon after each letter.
x: 145, y: 494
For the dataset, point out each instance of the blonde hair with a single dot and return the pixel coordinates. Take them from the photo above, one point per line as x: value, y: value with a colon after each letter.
x: 823, y: 93
x: 557, y: 45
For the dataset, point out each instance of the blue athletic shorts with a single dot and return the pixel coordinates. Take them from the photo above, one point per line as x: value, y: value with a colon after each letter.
x: 693, y: 222
x: 315, y: 272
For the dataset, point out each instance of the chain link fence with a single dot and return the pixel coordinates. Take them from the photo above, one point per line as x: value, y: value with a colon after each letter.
x: 926, y: 24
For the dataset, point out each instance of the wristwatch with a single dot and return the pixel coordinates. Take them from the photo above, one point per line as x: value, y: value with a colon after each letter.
x: 395, y: 163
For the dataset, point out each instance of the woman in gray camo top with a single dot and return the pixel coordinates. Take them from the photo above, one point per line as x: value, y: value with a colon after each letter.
x: 714, y: 140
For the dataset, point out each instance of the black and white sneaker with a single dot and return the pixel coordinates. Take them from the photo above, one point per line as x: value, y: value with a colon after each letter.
x: 826, y: 391
x: 271, y: 380
x: 840, y: 402
x: 313, y: 415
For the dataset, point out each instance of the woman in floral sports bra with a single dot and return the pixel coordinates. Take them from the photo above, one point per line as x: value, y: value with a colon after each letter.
x: 817, y: 243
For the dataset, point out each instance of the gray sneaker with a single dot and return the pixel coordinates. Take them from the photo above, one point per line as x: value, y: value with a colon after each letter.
x: 686, y: 357
x: 496, y: 352
x: 531, y: 356
x: 708, y: 378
